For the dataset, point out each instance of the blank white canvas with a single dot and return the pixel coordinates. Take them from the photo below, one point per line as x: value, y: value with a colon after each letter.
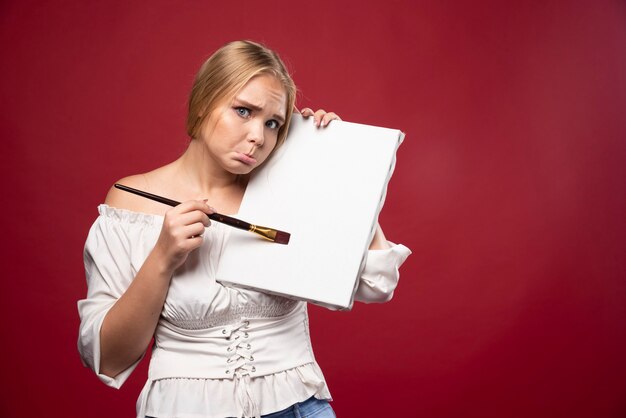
x: 326, y: 188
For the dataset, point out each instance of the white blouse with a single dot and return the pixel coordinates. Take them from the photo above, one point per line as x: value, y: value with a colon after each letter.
x: 218, y: 350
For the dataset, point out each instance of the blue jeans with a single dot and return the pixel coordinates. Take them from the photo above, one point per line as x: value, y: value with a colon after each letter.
x: 311, y: 408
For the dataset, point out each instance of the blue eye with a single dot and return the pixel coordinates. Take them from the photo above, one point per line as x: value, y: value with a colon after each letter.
x: 242, y: 111
x: 272, y: 124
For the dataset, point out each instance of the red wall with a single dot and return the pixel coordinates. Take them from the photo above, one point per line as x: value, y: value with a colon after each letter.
x: 510, y: 189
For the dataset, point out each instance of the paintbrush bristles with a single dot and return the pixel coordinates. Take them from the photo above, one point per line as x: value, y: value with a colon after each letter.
x: 282, y: 237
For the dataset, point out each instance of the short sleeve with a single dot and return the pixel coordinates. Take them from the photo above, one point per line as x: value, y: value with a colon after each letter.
x: 107, y: 258
x: 381, y: 274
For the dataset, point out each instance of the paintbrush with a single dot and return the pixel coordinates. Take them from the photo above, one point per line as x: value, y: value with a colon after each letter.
x: 271, y: 234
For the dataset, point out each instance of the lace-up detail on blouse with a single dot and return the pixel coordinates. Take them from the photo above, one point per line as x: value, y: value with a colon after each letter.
x: 240, y: 359
x: 240, y: 365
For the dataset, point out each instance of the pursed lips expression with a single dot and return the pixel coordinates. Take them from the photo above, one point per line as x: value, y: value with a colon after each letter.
x: 242, y: 131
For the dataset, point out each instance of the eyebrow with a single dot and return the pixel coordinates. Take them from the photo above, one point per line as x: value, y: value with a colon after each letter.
x: 280, y: 118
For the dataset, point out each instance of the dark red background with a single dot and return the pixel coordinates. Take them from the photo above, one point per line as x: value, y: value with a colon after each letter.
x: 510, y: 189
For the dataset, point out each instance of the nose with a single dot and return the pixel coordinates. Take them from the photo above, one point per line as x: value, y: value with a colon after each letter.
x: 256, y: 134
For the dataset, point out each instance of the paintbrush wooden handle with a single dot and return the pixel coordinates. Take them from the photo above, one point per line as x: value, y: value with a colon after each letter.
x: 228, y: 220
x: 147, y: 195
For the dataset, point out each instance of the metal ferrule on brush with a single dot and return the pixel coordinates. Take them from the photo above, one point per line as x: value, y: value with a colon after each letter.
x: 267, y: 233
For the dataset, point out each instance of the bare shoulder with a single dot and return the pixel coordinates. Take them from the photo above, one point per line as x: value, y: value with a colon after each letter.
x: 123, y: 200
x: 157, y: 181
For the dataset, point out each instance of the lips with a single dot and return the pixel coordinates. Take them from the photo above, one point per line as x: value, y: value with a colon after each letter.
x: 246, y: 159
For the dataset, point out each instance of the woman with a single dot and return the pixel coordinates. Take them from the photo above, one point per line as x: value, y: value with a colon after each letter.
x: 218, y: 351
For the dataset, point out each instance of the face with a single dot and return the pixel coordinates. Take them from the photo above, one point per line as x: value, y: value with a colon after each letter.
x: 242, y: 131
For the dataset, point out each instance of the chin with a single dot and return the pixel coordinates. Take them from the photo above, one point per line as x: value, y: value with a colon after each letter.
x: 241, y: 170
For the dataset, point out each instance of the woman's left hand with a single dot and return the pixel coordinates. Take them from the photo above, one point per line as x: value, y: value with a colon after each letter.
x: 321, y: 118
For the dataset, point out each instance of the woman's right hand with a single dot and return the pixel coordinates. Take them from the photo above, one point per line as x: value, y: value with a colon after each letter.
x: 129, y: 324
x: 182, y: 231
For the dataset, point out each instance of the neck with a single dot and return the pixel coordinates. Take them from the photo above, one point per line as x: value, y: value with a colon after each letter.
x: 201, y: 174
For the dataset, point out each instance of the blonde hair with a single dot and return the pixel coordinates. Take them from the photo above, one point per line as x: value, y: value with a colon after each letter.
x: 226, y: 72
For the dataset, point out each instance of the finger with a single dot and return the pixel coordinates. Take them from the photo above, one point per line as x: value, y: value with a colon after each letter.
x: 187, y: 236
x: 328, y: 117
x: 194, y: 242
x: 211, y: 208
x: 204, y: 220
x: 317, y: 116
x: 306, y: 112
x: 191, y: 205
x: 190, y: 218
x: 193, y: 230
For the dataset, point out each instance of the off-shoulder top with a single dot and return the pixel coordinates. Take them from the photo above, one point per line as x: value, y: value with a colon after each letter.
x: 218, y: 351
